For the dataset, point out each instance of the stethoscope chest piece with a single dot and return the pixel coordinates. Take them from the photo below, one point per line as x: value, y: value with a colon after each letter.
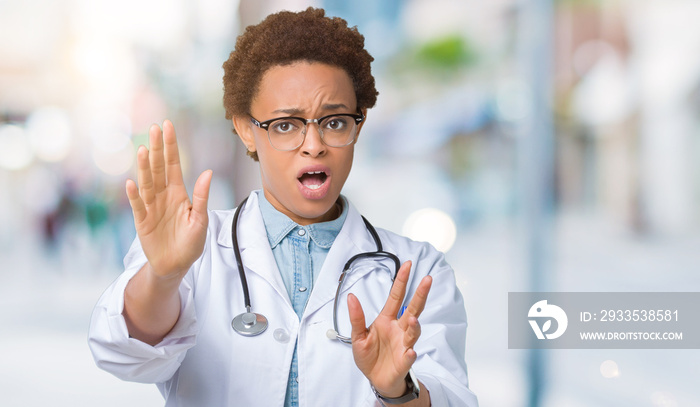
x: 249, y: 324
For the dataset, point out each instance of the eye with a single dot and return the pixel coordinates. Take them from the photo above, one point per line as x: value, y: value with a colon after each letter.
x: 336, y: 123
x: 284, y: 126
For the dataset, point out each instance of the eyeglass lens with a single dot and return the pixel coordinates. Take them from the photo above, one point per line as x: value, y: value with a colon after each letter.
x: 289, y: 133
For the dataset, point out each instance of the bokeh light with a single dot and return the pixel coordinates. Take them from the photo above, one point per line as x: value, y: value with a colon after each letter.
x: 433, y: 226
x: 114, y: 162
x: 50, y: 134
x: 15, y: 150
x: 609, y: 369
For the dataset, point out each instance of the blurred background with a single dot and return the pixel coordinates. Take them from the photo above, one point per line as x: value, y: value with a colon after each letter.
x: 544, y: 145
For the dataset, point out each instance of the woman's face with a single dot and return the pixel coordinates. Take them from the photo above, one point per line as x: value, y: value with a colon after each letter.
x: 304, y: 183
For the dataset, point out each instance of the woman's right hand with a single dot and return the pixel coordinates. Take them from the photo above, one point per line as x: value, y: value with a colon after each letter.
x: 172, y: 229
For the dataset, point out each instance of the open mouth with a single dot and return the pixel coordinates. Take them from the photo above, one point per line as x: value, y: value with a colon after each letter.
x: 313, y: 179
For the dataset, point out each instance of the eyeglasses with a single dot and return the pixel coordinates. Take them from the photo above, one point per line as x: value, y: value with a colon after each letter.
x: 288, y: 133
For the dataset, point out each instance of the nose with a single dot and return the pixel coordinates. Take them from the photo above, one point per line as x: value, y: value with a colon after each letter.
x: 313, y: 145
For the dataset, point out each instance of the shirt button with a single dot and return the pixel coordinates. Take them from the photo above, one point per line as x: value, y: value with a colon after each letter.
x: 302, y: 289
x: 301, y: 232
x: 281, y: 335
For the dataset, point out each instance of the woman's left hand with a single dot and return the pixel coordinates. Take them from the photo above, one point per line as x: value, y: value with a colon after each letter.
x: 384, y: 351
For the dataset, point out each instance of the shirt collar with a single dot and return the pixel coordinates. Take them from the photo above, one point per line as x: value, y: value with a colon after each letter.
x: 279, y: 225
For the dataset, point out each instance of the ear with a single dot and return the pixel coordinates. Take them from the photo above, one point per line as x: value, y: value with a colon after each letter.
x: 359, y: 127
x: 244, y: 129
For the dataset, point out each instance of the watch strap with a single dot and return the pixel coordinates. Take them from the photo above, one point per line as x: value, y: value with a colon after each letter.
x: 412, y: 391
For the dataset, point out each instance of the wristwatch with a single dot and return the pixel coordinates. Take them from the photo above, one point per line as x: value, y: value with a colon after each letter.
x: 412, y: 392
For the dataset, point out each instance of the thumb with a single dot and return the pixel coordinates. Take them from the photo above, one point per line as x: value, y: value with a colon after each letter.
x: 200, y: 195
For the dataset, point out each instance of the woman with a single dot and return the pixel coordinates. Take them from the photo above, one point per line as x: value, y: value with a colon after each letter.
x: 297, y: 89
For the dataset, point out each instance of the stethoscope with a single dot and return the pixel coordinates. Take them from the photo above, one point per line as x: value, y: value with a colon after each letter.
x: 251, y: 324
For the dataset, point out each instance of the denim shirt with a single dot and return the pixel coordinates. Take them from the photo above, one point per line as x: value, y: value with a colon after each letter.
x: 299, y: 252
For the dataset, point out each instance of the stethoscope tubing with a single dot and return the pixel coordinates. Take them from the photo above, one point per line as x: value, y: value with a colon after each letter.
x: 378, y: 253
x: 237, y: 252
x: 250, y: 324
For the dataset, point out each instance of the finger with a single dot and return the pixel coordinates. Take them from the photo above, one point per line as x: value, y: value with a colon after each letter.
x: 398, y: 290
x: 357, y: 319
x: 417, y: 304
x: 144, y: 176
x: 172, y: 155
x: 200, y: 197
x: 155, y: 156
x: 137, y: 206
x: 409, y: 358
x: 412, y: 333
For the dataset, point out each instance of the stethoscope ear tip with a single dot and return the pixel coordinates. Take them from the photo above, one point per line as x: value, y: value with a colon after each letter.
x: 331, y: 334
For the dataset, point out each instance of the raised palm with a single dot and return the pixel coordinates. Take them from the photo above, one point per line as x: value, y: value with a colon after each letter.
x: 384, y: 351
x: 171, y: 228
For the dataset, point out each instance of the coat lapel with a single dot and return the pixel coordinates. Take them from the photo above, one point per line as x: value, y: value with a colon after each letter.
x: 353, y: 238
x: 256, y: 253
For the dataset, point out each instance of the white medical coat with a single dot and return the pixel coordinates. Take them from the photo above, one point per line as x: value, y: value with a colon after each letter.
x: 204, y: 362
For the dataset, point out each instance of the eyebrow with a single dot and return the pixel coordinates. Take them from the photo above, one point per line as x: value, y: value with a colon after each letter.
x: 293, y: 111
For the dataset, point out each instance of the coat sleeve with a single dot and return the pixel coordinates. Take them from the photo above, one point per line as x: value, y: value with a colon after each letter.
x: 128, y: 358
x: 441, y: 364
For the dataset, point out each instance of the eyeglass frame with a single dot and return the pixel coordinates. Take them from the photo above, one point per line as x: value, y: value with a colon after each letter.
x: 358, y: 117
